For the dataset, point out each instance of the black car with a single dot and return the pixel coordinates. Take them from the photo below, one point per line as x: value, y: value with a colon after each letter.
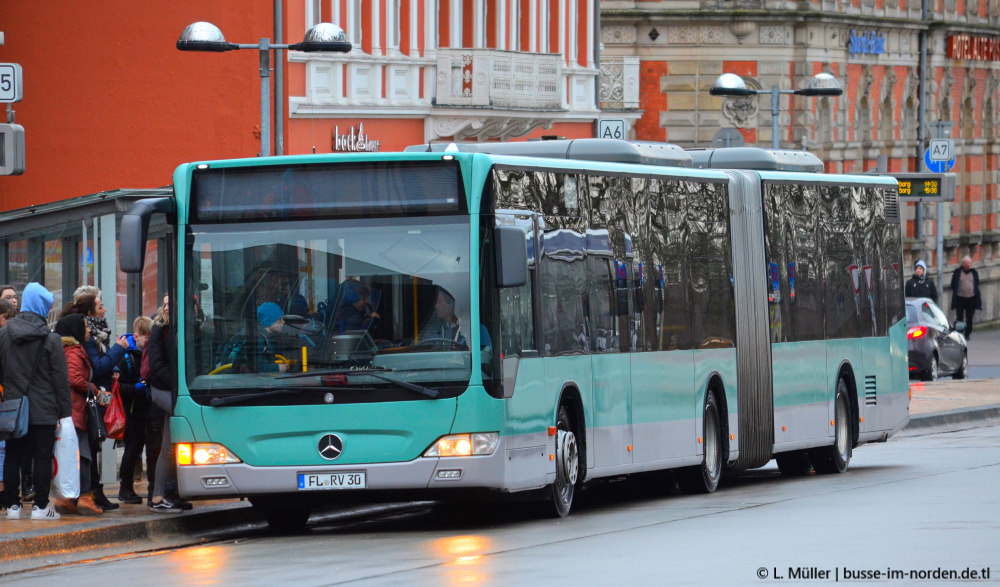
x: 936, y: 347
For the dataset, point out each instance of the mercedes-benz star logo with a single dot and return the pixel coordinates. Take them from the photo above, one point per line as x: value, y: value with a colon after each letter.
x: 330, y: 446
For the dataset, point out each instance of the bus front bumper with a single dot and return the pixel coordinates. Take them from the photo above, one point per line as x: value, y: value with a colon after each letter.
x: 242, y: 479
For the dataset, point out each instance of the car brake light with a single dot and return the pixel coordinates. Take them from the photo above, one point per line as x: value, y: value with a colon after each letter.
x: 916, y: 332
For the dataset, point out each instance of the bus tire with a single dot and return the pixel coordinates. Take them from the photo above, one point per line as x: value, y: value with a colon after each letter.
x: 281, y: 514
x: 836, y: 458
x: 567, y: 453
x: 704, y: 478
x: 794, y: 464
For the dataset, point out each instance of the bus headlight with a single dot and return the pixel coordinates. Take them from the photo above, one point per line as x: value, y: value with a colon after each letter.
x: 464, y: 445
x: 204, y: 454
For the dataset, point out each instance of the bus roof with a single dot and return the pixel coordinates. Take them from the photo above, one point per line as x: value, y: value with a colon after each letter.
x: 757, y: 159
x: 609, y: 150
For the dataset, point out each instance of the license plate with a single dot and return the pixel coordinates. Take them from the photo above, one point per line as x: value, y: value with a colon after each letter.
x: 324, y: 481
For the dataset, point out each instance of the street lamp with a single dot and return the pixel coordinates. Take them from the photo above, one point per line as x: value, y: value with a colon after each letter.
x: 730, y: 84
x: 205, y: 36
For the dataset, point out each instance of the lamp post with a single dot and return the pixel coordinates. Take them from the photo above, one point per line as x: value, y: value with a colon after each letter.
x: 730, y: 84
x: 205, y: 36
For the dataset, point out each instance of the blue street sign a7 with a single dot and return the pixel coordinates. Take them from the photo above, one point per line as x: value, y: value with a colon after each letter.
x: 937, y: 166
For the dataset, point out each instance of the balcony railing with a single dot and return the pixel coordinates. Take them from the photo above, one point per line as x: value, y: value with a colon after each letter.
x: 499, y: 79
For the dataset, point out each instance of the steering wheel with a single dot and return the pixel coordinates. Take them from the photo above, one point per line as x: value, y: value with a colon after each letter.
x: 442, y: 343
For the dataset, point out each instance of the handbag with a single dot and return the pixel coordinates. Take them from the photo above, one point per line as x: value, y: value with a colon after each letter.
x: 66, y: 455
x: 163, y: 399
x: 114, y: 415
x: 96, y: 431
x: 13, y: 418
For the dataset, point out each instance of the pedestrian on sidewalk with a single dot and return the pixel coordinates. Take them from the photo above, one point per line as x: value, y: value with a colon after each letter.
x: 75, y: 333
x: 135, y: 400
x: 965, y: 297
x: 919, y: 285
x: 8, y: 293
x: 104, y: 355
x: 7, y: 311
x: 162, y: 380
x: 32, y: 364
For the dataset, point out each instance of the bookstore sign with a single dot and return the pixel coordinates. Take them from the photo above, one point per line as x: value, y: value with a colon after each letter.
x: 353, y: 141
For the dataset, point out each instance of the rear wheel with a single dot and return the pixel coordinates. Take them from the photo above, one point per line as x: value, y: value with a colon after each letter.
x: 794, y: 464
x: 705, y: 477
x: 836, y: 458
x: 963, y: 369
x: 567, y: 464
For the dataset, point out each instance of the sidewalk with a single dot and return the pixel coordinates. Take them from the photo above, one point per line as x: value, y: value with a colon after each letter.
x: 31, y: 544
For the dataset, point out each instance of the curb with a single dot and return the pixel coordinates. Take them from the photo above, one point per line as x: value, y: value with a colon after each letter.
x: 67, y: 540
x: 951, y: 417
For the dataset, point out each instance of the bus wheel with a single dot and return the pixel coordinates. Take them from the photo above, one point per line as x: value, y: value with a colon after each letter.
x: 794, y: 464
x: 280, y: 514
x: 836, y: 458
x: 705, y: 477
x: 567, y: 464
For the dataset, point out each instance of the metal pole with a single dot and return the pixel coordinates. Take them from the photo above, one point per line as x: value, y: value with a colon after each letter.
x: 279, y: 83
x: 265, y: 97
x: 775, y: 113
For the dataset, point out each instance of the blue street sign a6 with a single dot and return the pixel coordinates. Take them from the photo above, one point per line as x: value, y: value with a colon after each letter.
x: 937, y: 166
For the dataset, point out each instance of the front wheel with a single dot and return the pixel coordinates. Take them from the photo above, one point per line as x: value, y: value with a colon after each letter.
x: 932, y: 372
x: 836, y: 458
x: 705, y: 477
x: 963, y: 370
x: 282, y: 515
x: 567, y: 464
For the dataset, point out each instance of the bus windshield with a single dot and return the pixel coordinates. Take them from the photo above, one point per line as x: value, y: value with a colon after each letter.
x: 307, y: 304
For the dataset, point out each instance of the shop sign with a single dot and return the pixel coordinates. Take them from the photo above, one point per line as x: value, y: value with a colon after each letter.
x: 353, y: 141
x: 870, y: 43
x: 974, y: 48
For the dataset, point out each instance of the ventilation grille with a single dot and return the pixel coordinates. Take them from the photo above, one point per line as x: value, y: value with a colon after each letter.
x: 871, y: 390
x: 891, y: 206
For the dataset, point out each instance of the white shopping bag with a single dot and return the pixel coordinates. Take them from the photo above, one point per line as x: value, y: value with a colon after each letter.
x: 66, y: 470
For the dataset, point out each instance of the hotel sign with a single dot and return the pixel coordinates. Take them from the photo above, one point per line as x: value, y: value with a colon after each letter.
x: 870, y: 43
x: 352, y: 141
x: 974, y: 48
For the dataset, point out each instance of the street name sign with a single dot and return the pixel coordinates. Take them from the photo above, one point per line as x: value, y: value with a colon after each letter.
x: 11, y: 88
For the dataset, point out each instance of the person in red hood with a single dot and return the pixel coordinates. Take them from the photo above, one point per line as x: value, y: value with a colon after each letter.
x: 75, y: 332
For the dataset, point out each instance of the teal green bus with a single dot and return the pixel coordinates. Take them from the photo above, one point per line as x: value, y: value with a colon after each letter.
x: 519, y: 319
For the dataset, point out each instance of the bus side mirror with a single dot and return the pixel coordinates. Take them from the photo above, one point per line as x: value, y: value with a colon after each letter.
x: 135, y: 232
x: 511, y: 256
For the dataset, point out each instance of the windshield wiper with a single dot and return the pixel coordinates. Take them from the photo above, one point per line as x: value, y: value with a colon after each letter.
x: 244, y: 397
x: 375, y: 372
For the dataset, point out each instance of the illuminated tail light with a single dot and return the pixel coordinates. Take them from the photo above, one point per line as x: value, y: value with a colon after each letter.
x: 916, y: 332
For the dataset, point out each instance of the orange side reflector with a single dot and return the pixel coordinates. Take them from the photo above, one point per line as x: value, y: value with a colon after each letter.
x: 833, y: 423
x: 783, y: 429
x: 630, y: 448
x: 732, y: 437
x: 552, y: 430
x: 552, y: 457
x: 699, y: 440
x: 862, y: 418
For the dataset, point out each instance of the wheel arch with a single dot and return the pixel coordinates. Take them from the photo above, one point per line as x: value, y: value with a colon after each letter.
x: 717, y: 387
x: 846, y: 372
x: 570, y: 396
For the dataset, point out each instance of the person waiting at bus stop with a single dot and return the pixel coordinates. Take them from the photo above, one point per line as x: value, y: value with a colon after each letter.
x: 919, y: 285
x: 965, y: 296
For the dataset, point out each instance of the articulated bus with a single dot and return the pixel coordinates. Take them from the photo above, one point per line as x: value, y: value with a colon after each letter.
x: 522, y: 318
